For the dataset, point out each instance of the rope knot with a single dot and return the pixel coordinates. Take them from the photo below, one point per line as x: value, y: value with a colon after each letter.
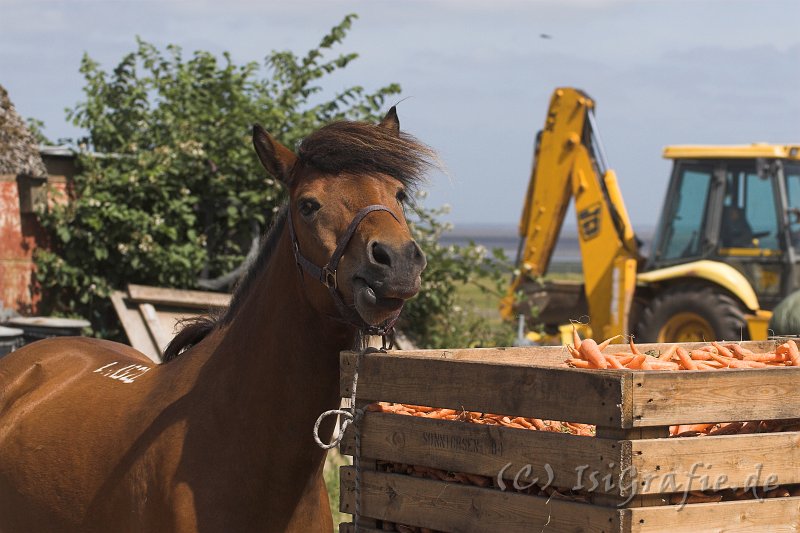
x: 351, y: 416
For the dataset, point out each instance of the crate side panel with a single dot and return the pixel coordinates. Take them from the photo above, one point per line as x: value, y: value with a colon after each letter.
x: 557, y: 459
x: 564, y: 394
x: 729, y: 461
x: 687, y: 397
x: 453, y: 507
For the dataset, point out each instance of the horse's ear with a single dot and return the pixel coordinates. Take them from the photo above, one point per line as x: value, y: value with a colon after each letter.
x: 275, y: 157
x: 390, y: 121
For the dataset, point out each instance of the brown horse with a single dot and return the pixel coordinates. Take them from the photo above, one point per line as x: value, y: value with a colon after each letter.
x: 94, y: 438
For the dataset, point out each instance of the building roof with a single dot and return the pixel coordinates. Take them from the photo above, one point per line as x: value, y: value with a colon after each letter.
x: 19, y: 153
x: 733, y: 151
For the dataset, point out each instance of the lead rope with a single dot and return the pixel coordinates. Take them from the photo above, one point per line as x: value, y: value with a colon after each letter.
x: 351, y: 416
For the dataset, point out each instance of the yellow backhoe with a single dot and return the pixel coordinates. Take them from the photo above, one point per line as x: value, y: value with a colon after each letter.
x: 723, y: 254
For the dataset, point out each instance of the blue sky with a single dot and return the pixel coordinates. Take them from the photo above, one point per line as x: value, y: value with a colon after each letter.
x: 477, y: 73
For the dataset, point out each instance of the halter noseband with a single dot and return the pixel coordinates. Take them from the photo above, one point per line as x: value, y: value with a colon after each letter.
x: 327, y: 274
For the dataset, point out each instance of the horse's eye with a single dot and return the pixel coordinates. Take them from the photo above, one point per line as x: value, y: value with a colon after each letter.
x: 402, y: 196
x: 308, y: 207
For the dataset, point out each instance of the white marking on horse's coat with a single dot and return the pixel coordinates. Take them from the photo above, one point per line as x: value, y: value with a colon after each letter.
x: 126, y: 374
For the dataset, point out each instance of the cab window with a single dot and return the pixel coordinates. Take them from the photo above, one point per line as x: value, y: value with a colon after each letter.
x: 683, y: 232
x: 792, y: 173
x: 749, y: 214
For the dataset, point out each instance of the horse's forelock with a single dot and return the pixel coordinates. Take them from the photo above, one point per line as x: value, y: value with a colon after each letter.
x: 360, y: 148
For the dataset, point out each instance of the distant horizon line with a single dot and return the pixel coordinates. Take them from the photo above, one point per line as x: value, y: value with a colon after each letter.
x: 500, y: 229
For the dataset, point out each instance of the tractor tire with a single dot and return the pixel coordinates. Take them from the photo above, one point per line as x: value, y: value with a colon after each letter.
x: 692, y: 312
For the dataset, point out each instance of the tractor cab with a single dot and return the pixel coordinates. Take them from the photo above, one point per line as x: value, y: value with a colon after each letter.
x: 738, y: 206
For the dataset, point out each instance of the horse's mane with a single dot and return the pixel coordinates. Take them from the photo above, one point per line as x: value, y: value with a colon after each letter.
x: 345, y: 146
x: 362, y: 148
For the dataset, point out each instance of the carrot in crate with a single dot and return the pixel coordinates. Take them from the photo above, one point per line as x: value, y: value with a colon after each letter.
x: 686, y: 361
x: 592, y: 353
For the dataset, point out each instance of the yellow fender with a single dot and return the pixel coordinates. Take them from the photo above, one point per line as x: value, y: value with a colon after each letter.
x: 723, y: 275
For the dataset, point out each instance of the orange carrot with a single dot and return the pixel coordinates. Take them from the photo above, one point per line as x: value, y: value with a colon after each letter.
x: 661, y: 365
x: 539, y: 424
x: 721, y: 349
x: 667, y: 355
x: 700, y: 355
x: 637, y: 362
x: 592, y: 353
x: 634, y: 349
x: 613, y: 362
x: 603, y: 345
x: 521, y: 421
x: 738, y: 351
x: 576, y: 339
x: 686, y: 361
x: 763, y: 357
x: 573, y: 352
x: 794, y: 353
x: 624, y: 358
x: 727, y: 429
x: 699, y: 428
x: 727, y: 362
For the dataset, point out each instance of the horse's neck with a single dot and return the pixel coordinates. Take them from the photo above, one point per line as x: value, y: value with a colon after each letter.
x: 279, y: 361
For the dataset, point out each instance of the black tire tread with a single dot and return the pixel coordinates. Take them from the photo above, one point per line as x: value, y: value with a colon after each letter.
x: 722, y: 311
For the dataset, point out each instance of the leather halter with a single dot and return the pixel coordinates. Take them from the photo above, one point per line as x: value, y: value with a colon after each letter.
x: 327, y: 274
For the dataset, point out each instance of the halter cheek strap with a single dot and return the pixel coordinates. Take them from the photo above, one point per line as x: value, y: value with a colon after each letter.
x: 327, y: 274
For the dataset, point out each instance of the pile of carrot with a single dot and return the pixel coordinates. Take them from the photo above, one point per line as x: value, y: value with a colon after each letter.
x: 475, y: 417
x: 587, y: 353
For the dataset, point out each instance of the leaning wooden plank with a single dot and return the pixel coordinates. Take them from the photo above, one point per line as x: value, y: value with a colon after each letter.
x: 727, y: 461
x: 773, y: 515
x: 454, y: 507
x: 668, y: 398
x: 160, y: 337
x: 177, y: 297
x: 565, y: 394
x: 134, y: 325
x: 557, y: 459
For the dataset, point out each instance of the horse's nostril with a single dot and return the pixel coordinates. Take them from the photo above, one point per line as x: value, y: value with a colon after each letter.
x: 380, y: 254
x: 418, y: 255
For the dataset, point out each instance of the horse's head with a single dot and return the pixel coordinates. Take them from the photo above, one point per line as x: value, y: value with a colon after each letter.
x: 347, y: 184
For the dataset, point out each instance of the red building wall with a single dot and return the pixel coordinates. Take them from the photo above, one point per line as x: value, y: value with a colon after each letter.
x: 21, y: 234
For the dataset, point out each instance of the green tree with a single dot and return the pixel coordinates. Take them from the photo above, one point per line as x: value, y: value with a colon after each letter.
x: 169, y: 189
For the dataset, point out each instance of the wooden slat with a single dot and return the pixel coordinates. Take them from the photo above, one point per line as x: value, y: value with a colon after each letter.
x: 134, y: 326
x: 566, y: 394
x: 773, y: 515
x: 150, y: 316
x: 489, y: 450
x: 177, y: 297
x: 453, y: 507
x: 549, y: 355
x: 732, y: 460
x: 668, y: 398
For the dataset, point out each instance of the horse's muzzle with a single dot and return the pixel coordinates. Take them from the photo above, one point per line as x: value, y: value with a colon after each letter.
x: 391, y: 276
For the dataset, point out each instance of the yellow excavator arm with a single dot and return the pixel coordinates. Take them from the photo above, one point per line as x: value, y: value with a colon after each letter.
x: 569, y: 164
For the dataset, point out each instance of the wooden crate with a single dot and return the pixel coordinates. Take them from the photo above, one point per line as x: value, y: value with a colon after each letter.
x: 632, y: 411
